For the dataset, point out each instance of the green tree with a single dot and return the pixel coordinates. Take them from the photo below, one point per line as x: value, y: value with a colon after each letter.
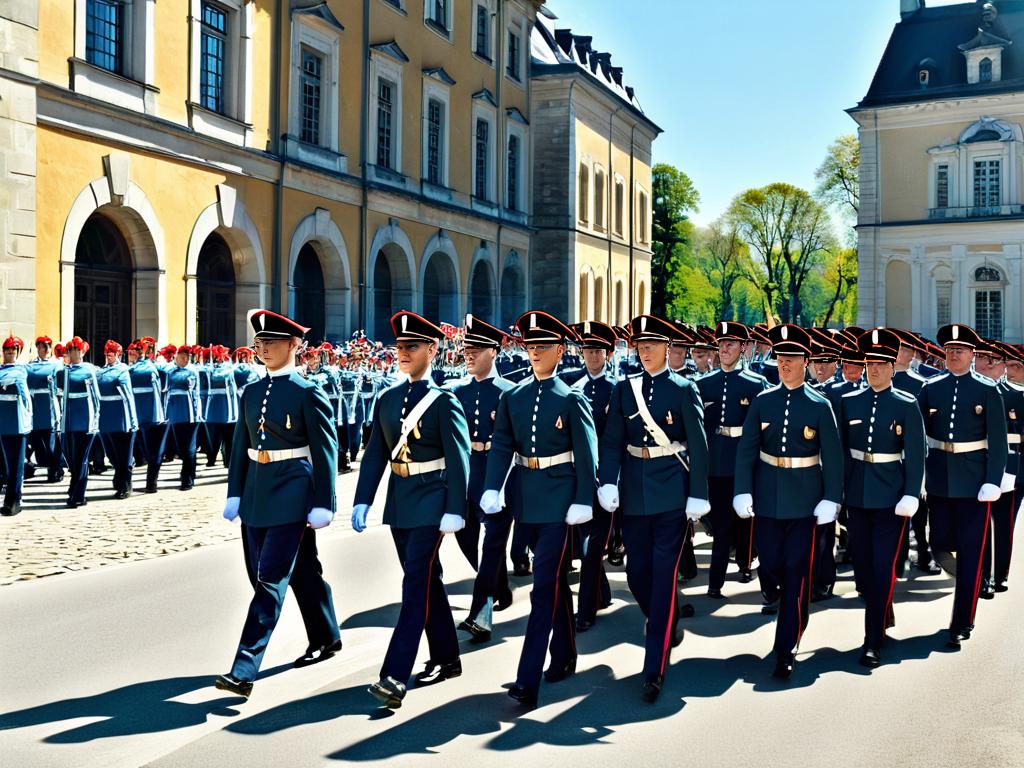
x: 724, y: 259
x: 674, y: 195
x: 838, y: 175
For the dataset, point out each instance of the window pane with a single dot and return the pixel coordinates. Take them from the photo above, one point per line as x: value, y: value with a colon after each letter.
x: 513, y: 173
x: 599, y: 199
x: 619, y: 206
x: 212, y: 56
x: 987, y: 175
x: 482, y: 152
x: 985, y: 70
x: 312, y: 66
x: 104, y: 34
x: 988, y: 314
x: 584, y: 193
x: 513, y: 55
x: 942, y: 186
x: 483, y: 29
x: 435, y: 117
x: 943, y: 302
x: 385, y: 107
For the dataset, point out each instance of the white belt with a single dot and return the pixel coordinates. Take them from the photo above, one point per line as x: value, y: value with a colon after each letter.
x: 730, y: 431
x: 72, y: 395
x: 111, y: 397
x: 8, y: 397
x: 1013, y: 439
x: 656, y: 451
x: 136, y: 390
x: 875, y: 458
x: 39, y: 391
x: 544, y: 462
x: 791, y: 462
x: 977, y: 445
x: 180, y: 391
x: 410, y: 468
x: 266, y: 457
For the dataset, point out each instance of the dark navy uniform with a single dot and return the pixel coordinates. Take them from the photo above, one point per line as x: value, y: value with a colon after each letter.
x: 663, y: 480
x: 426, y: 492
x: 1004, y: 511
x: 789, y: 460
x: 883, y: 435
x: 281, y: 485
x: 726, y: 397
x: 44, y: 438
x: 965, y: 423
x: 546, y: 427
x: 15, y: 425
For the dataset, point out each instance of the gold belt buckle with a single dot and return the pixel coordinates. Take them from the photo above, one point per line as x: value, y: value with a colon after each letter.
x: 263, y: 456
x: 869, y: 457
x: 533, y: 462
x: 646, y: 453
x: 785, y: 462
x: 399, y: 468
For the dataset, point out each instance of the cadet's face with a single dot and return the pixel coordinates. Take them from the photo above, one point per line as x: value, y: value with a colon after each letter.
x: 792, y: 369
x: 904, y: 357
x: 676, y: 357
x: 702, y: 359
x: 958, y: 359
x: 880, y: 374
x: 824, y: 370
x: 74, y: 355
x: 479, y: 360
x: 652, y: 355
x: 595, y: 359
x: 276, y: 353
x: 133, y: 356
x: 989, y: 366
x: 414, y: 357
x: 544, y: 358
x: 43, y: 350
x: 110, y: 357
x: 181, y: 359
x: 1015, y: 372
x: 10, y: 355
x: 729, y: 352
x: 852, y: 371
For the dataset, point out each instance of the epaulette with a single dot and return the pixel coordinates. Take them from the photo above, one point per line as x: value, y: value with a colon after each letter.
x: 904, y: 396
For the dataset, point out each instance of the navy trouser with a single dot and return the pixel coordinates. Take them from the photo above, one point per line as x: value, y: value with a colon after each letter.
x: 270, y: 554
x: 77, y: 446
x: 786, y: 551
x: 919, y: 524
x: 13, y: 455
x: 519, y: 552
x: 43, y: 442
x: 312, y: 592
x: 185, y: 447
x: 492, y: 575
x: 220, y: 436
x: 594, y: 590
x: 424, y: 604
x: 825, y: 558
x: 550, y: 603
x: 98, y: 456
x: 1004, y: 518
x: 959, y: 525
x: 153, y: 438
x: 468, y: 538
x: 728, y: 530
x: 120, y: 447
x: 876, y: 536
x: 654, y: 549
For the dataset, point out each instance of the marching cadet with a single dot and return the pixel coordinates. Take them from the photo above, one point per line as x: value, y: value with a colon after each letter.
x: 965, y: 426
x: 597, y: 342
x: 1006, y: 510
x: 824, y: 359
x: 147, y: 392
x: 118, y: 419
x: 420, y: 431
x: 15, y: 423
x: 221, y: 406
x: 883, y: 434
x: 789, y: 472
x: 678, y: 350
x: 685, y: 340
x: 80, y: 417
x: 184, y: 412
x: 703, y: 351
x: 479, y: 394
x: 318, y: 370
x: 763, y: 363
x: 905, y: 377
x: 663, y: 475
x: 546, y: 428
x: 281, y: 484
x: 44, y: 438
x: 726, y: 394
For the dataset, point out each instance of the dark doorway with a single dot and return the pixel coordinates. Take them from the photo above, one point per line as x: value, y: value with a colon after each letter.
x: 481, y: 298
x: 215, y: 293
x: 310, y: 300
x: 103, y: 286
x: 382, y: 299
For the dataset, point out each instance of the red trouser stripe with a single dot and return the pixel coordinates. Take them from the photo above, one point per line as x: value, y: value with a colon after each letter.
x: 801, y: 621
x: 672, y: 605
x: 981, y: 561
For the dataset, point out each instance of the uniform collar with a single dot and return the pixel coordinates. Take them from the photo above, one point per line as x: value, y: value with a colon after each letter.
x: 664, y: 369
x: 491, y: 374
x: 288, y: 370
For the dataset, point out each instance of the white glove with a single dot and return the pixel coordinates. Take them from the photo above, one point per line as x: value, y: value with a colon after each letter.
x: 743, y: 504
x: 1008, y: 482
x: 579, y: 513
x: 989, y: 492
x: 608, y: 497
x: 319, y: 517
x: 490, y: 503
x: 826, y: 512
x: 697, y: 508
x: 907, y: 506
x: 231, y: 508
x: 452, y: 523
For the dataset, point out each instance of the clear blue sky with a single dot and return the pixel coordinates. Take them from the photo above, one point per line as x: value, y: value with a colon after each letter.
x: 748, y: 92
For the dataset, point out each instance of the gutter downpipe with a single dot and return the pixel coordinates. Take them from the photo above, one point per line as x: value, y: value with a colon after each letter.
x: 275, y: 299
x: 609, y: 224
x: 363, y: 143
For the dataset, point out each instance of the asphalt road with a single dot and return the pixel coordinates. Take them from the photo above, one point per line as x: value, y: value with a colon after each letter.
x: 114, y: 667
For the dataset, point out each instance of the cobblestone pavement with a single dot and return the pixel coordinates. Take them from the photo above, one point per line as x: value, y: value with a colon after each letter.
x: 47, y: 539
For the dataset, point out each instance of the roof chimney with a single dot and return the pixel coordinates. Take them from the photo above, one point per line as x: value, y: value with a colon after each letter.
x: 564, y: 39
x: 909, y: 7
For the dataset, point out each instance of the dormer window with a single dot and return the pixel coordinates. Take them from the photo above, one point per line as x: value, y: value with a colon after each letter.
x: 922, y: 77
x: 985, y: 70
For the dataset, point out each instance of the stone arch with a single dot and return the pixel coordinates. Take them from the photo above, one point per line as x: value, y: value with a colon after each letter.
x: 124, y: 203
x: 440, y: 282
x: 229, y: 219
x: 481, y: 298
x: 512, y: 289
x: 399, y: 265
x: 320, y: 229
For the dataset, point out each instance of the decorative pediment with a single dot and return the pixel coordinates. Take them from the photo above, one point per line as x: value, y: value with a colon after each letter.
x: 486, y: 96
x: 991, y: 129
x: 392, y: 50
x: 516, y: 115
x: 320, y: 12
x: 439, y: 74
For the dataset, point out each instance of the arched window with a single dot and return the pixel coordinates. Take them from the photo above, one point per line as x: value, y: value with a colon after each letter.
x: 584, y: 194
x: 598, y: 198
x: 988, y: 302
x: 985, y: 70
x: 987, y: 275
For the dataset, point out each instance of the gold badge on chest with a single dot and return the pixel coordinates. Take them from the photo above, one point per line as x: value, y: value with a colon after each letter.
x: 899, y: 429
x: 810, y: 433
x: 1013, y: 415
x: 287, y: 421
x: 416, y: 430
x: 558, y: 423
x: 493, y: 415
x: 668, y: 417
x: 745, y: 401
x: 979, y: 409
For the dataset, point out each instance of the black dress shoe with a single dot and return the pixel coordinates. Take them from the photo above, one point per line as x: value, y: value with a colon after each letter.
x: 188, y: 485
x: 71, y: 504
x: 957, y: 636
x: 687, y: 611
x: 232, y: 684
x: 151, y: 487
x: 987, y: 591
x: 821, y: 594
x: 928, y: 566
x: 436, y: 672
x: 583, y: 624
x: 715, y: 593
x: 871, y: 658
x: 30, y: 471
x: 316, y: 654
x: 1002, y: 586
x: 783, y: 666
x: 525, y: 697
x: 504, y: 601
x: 122, y: 495
x: 555, y: 674
x: 11, y: 511
x: 520, y: 569
x: 388, y: 692
x: 650, y: 689
x: 55, y: 478
x: 746, y: 577
x: 478, y: 634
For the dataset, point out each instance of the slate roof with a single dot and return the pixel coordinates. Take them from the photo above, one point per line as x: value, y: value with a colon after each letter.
x: 932, y: 38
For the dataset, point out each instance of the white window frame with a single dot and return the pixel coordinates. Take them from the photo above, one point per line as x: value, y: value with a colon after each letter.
x: 993, y: 53
x: 618, y: 222
x: 521, y: 132
x: 516, y: 23
x: 487, y: 113
x: 447, y: 23
x: 133, y: 87
x: 601, y: 226
x: 325, y: 41
x: 949, y: 159
x: 235, y: 125
x: 382, y: 66
x: 995, y: 286
x: 643, y: 215
x: 986, y: 158
x: 583, y: 215
x: 433, y: 89
x: 488, y: 56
